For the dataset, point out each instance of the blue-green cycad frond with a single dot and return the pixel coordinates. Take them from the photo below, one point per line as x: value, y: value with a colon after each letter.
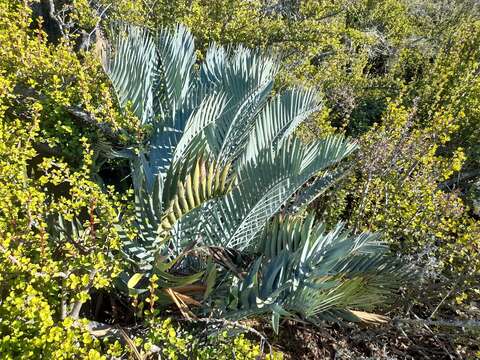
x: 131, y: 63
x: 264, y: 185
x: 309, y: 273
x: 176, y: 58
x: 247, y: 78
x: 279, y: 118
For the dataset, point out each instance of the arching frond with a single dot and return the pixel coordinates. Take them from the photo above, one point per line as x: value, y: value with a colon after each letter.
x: 131, y: 65
x: 247, y: 78
x: 279, y: 118
x: 312, y: 274
x: 264, y: 186
x: 176, y: 55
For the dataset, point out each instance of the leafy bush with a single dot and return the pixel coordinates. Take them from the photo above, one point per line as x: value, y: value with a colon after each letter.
x: 166, y: 339
x: 418, y: 163
x: 45, y: 279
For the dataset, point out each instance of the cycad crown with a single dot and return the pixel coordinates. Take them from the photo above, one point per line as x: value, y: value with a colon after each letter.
x: 221, y: 162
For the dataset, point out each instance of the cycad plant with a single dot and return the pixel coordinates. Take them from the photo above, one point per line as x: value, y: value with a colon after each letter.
x: 222, y: 184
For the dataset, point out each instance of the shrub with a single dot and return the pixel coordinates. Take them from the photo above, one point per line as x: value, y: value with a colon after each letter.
x: 46, y: 164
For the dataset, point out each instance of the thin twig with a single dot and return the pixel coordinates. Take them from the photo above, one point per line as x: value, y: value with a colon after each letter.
x: 471, y: 324
x: 16, y: 262
x: 77, y: 306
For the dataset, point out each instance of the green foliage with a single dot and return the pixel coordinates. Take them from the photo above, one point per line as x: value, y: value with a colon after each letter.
x: 406, y: 159
x: 416, y: 165
x: 176, y: 343
x: 45, y: 278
